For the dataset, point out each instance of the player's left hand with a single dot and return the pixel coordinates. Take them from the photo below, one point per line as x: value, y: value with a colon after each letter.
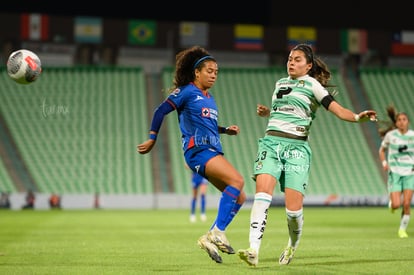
x: 368, y: 115
x: 232, y: 130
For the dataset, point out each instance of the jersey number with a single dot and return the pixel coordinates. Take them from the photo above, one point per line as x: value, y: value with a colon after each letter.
x: 261, y: 156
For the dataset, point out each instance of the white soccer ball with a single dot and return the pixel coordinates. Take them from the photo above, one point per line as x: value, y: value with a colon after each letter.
x: 24, y: 66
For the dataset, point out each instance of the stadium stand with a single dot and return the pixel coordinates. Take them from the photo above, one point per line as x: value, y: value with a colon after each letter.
x: 77, y: 129
x: 389, y: 86
x: 6, y: 184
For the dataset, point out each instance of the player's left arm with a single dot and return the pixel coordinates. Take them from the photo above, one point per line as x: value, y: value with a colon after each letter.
x: 348, y: 115
x: 230, y: 130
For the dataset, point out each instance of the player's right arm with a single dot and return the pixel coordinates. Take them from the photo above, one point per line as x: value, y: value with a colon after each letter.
x: 382, y: 152
x: 160, y: 112
x: 262, y: 110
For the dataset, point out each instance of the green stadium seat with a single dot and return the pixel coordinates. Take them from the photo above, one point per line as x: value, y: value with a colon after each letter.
x: 77, y: 129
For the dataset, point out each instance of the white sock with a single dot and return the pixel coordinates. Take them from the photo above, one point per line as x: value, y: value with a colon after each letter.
x: 295, y: 224
x: 258, y: 219
x: 405, y: 219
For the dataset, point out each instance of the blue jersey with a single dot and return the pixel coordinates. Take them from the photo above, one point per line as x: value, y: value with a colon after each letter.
x: 197, y: 116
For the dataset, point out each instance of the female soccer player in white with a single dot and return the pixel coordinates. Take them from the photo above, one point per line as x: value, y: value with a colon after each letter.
x: 396, y: 154
x: 283, y: 153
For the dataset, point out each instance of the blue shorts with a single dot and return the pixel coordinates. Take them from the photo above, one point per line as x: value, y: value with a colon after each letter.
x: 198, y: 180
x: 197, y: 158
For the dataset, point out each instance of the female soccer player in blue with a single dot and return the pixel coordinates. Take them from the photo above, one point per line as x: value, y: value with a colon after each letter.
x: 195, y: 73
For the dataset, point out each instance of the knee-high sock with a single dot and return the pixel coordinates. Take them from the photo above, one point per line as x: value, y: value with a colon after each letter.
x: 295, y: 224
x: 193, y: 205
x: 258, y: 219
x: 405, y: 219
x: 203, y: 204
x: 226, y: 206
x: 233, y: 213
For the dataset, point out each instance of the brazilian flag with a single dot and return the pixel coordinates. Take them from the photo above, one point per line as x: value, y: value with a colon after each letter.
x: 142, y: 32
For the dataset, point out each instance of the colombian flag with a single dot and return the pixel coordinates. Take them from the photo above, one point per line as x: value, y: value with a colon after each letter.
x: 299, y: 35
x: 248, y: 37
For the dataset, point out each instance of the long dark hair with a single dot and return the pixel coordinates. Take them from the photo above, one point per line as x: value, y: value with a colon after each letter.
x: 320, y: 70
x: 388, y: 125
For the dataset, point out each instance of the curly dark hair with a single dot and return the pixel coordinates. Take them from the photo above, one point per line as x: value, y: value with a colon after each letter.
x: 187, y: 61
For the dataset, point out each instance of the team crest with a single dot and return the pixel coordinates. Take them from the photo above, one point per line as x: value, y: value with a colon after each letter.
x: 259, y: 165
x: 205, y: 112
x: 301, y: 83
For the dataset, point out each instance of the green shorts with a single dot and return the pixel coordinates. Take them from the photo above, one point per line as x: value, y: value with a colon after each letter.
x: 288, y: 160
x: 398, y: 183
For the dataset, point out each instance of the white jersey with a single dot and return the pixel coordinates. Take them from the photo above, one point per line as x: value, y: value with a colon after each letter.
x: 400, y: 150
x: 294, y: 104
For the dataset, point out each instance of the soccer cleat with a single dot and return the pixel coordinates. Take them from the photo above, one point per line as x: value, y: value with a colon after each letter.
x: 286, y: 255
x: 203, y: 217
x: 210, y: 248
x: 402, y: 233
x: 249, y: 256
x: 218, y: 238
x: 392, y: 210
x: 192, y: 218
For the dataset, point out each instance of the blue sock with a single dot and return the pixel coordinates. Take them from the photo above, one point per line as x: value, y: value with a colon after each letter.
x: 233, y: 213
x: 193, y: 206
x: 226, y: 206
x: 203, y: 204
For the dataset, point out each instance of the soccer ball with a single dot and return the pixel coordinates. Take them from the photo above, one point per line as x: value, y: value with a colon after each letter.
x: 24, y: 66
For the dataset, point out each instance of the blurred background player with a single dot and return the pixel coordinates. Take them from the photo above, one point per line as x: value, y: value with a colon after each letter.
x: 199, y: 184
x: 30, y: 200
x: 5, y: 200
x: 54, y: 201
x: 396, y: 154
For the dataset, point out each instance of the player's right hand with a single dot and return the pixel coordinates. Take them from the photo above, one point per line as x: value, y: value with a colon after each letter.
x: 262, y: 110
x: 146, y: 146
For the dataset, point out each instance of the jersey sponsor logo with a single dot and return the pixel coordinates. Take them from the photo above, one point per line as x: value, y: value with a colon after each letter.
x: 286, y: 109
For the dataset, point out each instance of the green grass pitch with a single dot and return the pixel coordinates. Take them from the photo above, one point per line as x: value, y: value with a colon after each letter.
x: 335, y: 241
